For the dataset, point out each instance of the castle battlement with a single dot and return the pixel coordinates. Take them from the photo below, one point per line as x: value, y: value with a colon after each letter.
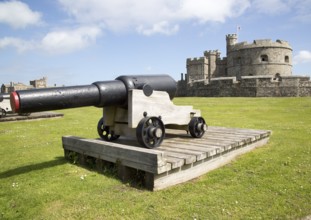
x: 196, y: 60
x: 231, y: 36
x: 260, y: 43
x: 211, y: 52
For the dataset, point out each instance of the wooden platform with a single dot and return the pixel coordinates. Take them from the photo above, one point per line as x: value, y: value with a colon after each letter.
x: 32, y: 116
x: 180, y: 158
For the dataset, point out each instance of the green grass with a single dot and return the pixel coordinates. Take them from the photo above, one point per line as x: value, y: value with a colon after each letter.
x: 271, y: 182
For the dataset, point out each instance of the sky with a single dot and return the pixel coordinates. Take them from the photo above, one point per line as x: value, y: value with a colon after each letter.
x: 78, y: 42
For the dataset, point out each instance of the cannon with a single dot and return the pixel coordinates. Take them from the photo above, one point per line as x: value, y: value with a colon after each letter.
x: 133, y: 106
x: 4, y: 104
x: 5, y: 107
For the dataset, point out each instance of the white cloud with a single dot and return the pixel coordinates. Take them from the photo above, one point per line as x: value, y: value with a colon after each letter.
x: 151, y: 16
x: 303, y: 56
x: 18, y: 14
x: 19, y: 44
x: 56, y: 42
x: 66, y: 41
x: 162, y: 27
x: 209, y: 10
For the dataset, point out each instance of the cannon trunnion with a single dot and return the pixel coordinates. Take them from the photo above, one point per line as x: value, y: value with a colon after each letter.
x: 133, y: 106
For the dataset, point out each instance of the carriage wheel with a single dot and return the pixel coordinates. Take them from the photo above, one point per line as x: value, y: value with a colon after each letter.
x: 104, y: 131
x: 150, y: 132
x: 197, y: 127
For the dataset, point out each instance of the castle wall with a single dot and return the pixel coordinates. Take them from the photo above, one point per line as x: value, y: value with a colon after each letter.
x: 251, y: 86
x: 181, y: 88
x: 221, y: 68
x: 262, y: 68
x: 304, y: 88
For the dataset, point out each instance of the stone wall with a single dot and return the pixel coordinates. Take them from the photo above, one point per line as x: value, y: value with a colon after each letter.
x: 250, y: 86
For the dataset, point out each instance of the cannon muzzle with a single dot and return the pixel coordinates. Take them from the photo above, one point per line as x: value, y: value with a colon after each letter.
x: 99, y: 94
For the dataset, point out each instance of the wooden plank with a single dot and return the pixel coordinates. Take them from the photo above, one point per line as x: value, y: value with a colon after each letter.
x: 175, y: 162
x: 239, y: 142
x: 188, y: 159
x: 200, y: 155
x: 263, y: 133
x: 233, y: 135
x: 222, y: 129
x: 210, y: 151
x: 202, y: 141
x: 163, y: 181
x: 216, y: 143
x: 208, y: 144
x: 139, y: 158
x: 226, y: 144
x: 238, y: 134
x: 232, y: 138
x: 252, y: 132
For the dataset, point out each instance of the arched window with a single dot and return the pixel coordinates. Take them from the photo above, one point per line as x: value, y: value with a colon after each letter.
x: 264, y: 58
x: 286, y: 59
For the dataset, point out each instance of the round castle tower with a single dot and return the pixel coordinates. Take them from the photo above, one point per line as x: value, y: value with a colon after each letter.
x: 262, y: 57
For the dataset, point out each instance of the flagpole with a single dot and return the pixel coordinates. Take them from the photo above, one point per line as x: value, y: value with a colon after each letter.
x: 238, y: 28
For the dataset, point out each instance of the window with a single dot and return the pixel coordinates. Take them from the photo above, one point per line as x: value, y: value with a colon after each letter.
x: 264, y: 58
x: 286, y: 59
x: 237, y: 61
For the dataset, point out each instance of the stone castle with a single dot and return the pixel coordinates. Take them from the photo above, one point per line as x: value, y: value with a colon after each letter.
x: 259, y: 69
x: 33, y: 84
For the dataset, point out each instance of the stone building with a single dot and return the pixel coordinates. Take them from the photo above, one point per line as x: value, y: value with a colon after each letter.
x: 34, y: 84
x: 260, y: 68
x: 39, y: 83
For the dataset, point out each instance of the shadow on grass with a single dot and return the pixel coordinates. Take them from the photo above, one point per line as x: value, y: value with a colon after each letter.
x: 33, y: 167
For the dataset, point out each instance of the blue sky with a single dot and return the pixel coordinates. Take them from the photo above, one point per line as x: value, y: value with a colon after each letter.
x: 76, y: 42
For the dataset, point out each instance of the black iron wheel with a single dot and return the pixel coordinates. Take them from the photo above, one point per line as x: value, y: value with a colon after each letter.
x: 105, y: 132
x: 197, y: 127
x: 150, y: 132
x: 3, y: 113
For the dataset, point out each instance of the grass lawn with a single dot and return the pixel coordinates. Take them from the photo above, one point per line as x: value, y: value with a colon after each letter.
x: 271, y: 182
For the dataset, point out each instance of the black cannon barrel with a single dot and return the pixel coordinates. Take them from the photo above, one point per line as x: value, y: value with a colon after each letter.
x: 4, y: 96
x: 99, y: 94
